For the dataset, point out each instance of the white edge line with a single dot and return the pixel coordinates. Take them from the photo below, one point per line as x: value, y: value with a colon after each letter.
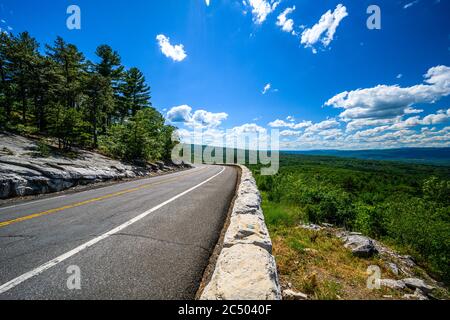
x: 15, y: 282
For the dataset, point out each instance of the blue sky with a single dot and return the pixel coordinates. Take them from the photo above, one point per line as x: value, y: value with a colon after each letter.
x: 333, y: 82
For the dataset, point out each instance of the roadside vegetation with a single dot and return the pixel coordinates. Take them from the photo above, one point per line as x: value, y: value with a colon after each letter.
x: 54, y: 92
x: 406, y: 206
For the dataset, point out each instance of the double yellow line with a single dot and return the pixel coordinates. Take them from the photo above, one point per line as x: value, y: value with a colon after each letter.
x: 83, y: 203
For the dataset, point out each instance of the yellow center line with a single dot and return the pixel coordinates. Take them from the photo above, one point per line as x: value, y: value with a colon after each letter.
x: 79, y: 204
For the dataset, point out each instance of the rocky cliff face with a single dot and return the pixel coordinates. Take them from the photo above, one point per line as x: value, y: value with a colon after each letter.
x: 23, y: 171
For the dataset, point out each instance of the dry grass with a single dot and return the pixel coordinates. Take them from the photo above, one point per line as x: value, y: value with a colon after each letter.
x: 317, y: 264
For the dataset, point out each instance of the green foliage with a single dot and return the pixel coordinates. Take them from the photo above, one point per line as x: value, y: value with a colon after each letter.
x: 75, y: 102
x: 140, y: 138
x: 404, y: 204
x: 43, y: 149
x: 135, y: 93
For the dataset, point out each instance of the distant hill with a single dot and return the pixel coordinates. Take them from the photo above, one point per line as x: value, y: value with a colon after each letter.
x: 436, y: 156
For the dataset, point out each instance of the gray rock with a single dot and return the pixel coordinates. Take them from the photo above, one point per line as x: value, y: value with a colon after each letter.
x: 160, y: 165
x: 311, y: 226
x: 248, y: 229
x: 408, y: 261
x: 415, y: 283
x: 393, y: 267
x: 393, y: 284
x: 293, y: 295
x: 244, y: 272
x: 328, y: 225
x: 22, y: 174
x: 247, y: 203
x: 418, y: 295
x: 361, y: 246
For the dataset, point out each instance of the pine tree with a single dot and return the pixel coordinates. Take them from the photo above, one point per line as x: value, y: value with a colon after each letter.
x: 72, y: 67
x: 134, y: 93
x: 5, y: 76
x: 100, y: 97
x: 111, y: 69
x: 24, y: 53
x: 45, y: 90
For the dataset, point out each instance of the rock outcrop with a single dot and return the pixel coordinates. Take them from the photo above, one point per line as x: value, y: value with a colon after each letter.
x: 23, y: 171
x: 245, y: 269
x: 361, y: 246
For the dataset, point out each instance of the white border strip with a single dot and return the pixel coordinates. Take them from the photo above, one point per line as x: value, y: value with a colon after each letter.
x: 15, y: 282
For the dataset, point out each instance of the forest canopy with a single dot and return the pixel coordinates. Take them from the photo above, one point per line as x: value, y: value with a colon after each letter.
x: 55, y: 92
x: 405, y: 205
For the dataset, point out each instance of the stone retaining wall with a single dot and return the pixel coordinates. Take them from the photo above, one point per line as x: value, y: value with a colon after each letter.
x: 245, y: 269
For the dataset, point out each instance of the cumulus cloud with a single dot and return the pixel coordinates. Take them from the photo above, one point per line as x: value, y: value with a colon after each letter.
x: 208, y: 119
x: 199, y: 118
x: 442, y: 116
x: 261, y: 9
x: 358, y: 124
x: 266, y: 89
x: 290, y: 133
x: 284, y: 23
x: 179, y: 114
x: 246, y: 136
x: 291, y: 124
x: 385, y: 101
x: 174, y: 52
x: 324, y: 125
x: 325, y: 29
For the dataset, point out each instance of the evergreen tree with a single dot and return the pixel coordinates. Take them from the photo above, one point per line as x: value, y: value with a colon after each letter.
x: 100, y: 97
x: 111, y: 69
x: 72, y: 67
x: 61, y: 95
x: 134, y: 93
x: 5, y: 76
x: 23, y: 55
x: 45, y: 90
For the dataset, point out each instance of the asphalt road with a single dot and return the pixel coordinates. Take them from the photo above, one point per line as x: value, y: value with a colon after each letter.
x: 146, y: 239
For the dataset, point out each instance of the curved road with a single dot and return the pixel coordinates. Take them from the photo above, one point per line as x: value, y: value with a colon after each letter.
x: 146, y: 239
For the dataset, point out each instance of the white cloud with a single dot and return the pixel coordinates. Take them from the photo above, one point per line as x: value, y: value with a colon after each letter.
x: 290, y: 118
x: 410, y: 4
x: 324, y: 125
x: 199, y: 119
x: 325, y: 29
x: 208, y: 119
x: 292, y: 125
x: 399, y: 76
x: 358, y: 124
x: 266, y: 89
x: 261, y: 9
x: 207, y: 2
x: 385, y: 101
x: 179, y: 114
x: 286, y: 24
x: 246, y: 136
x: 176, y: 53
x: 290, y: 133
